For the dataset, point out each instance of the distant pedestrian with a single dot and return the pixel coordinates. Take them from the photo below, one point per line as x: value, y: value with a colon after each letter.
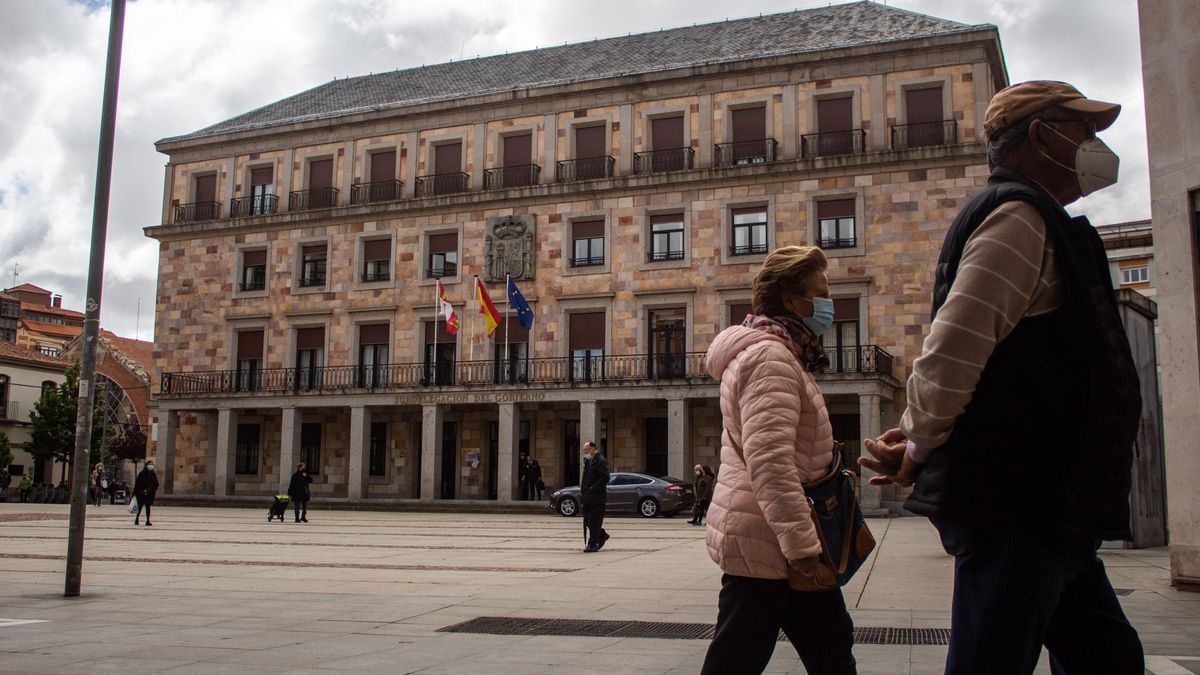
x: 533, y: 479
x: 593, y: 493
x: 98, y: 483
x: 24, y: 488
x: 522, y: 480
x: 702, y: 488
x: 299, y: 493
x: 144, y: 489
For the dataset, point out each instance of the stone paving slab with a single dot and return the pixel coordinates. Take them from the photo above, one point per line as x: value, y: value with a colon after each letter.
x: 221, y: 590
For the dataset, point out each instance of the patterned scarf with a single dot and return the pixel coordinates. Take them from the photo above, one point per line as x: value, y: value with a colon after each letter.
x: 796, y: 335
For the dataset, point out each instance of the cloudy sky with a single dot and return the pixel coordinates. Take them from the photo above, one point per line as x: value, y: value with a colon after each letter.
x: 191, y: 63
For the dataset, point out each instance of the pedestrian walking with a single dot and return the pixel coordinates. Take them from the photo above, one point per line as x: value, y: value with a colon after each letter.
x: 24, y: 488
x: 1024, y: 406
x: 593, y: 496
x: 144, y: 489
x: 777, y: 437
x: 299, y: 493
x: 702, y: 488
x: 533, y: 478
x: 98, y: 483
x: 522, y: 479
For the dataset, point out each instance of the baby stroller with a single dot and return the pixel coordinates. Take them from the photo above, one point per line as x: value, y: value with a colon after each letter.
x: 278, y: 507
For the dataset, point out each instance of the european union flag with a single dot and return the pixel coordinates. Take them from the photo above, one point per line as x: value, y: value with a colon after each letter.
x: 517, y: 302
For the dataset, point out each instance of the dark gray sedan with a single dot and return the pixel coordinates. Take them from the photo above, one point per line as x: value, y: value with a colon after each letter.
x: 638, y: 493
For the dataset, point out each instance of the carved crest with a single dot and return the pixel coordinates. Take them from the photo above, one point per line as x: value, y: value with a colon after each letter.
x: 509, y: 248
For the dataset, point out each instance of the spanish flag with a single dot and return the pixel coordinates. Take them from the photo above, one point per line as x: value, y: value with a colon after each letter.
x: 490, y: 316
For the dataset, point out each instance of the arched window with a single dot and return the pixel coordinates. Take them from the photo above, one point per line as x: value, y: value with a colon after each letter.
x: 48, y: 384
x: 118, y: 409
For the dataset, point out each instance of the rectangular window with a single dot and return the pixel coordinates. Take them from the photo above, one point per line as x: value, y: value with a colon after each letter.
x: 383, y: 186
x: 748, y: 127
x: 738, y: 312
x: 4, y: 397
x: 835, y: 220
x: 835, y: 119
x: 511, y: 357
x: 249, y: 360
x: 310, y: 446
x: 667, y: 145
x: 517, y: 158
x: 443, y: 256
x: 310, y: 357
x: 254, y: 270
x: 246, y: 450
x: 841, y: 341
x: 667, y: 340
x: 586, y: 341
x: 590, y: 151
x: 373, y: 354
x: 312, y: 265
x: 320, y: 184
x: 378, y: 459
x: 383, y: 166
x: 1135, y: 275
x: 587, y: 243
x: 262, y: 190
x: 925, y: 125
x: 749, y: 231
x: 440, y: 354
x: 666, y: 237
x: 377, y: 260
x: 448, y: 176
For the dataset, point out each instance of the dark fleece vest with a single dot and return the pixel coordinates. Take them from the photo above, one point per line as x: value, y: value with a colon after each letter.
x: 1046, y: 442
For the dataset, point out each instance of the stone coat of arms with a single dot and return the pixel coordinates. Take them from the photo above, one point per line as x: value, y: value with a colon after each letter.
x: 509, y: 248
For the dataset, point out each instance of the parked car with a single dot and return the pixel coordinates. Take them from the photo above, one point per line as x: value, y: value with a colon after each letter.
x: 638, y: 493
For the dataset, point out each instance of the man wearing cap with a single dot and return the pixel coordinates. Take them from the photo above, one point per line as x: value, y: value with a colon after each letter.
x: 1024, y: 405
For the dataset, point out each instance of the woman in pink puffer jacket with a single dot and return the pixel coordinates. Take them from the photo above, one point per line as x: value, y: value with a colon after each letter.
x: 776, y: 437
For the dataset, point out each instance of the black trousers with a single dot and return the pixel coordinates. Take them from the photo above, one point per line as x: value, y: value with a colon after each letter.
x: 593, y: 520
x: 300, y: 508
x: 143, y: 505
x: 750, y: 613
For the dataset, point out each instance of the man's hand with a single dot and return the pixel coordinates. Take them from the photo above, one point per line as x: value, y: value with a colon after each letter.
x: 888, y: 451
x: 905, y: 476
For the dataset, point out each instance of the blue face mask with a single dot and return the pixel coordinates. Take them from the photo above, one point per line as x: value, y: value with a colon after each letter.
x: 822, y: 317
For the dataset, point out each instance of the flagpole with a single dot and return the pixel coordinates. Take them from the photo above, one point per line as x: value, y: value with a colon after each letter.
x: 507, y: 307
x: 437, y: 307
x: 475, y: 310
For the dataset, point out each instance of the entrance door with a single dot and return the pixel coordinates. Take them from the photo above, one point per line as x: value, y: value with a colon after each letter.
x: 570, y: 453
x: 656, y: 446
x: 493, y: 459
x: 925, y: 125
x: 320, y: 184
x: 667, y: 343
x: 449, y: 459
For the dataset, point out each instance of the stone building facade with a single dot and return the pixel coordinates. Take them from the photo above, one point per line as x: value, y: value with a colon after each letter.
x: 632, y: 186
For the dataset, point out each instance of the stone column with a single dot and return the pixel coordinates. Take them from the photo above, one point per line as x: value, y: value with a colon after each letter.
x: 868, y: 427
x: 878, y: 138
x: 790, y: 127
x: 289, y: 444
x: 478, y: 156
x: 431, y: 437
x: 412, y: 150
x: 550, y: 147
x: 678, y: 425
x: 285, y: 179
x: 625, y: 154
x: 230, y: 180
x: 509, y: 444
x: 226, y: 446
x: 704, y: 154
x: 347, y: 172
x: 167, y: 426
x: 360, y: 456
x: 589, y: 422
x: 168, y: 192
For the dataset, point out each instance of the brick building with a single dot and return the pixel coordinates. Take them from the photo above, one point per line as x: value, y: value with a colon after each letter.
x: 630, y: 185
x: 42, y: 323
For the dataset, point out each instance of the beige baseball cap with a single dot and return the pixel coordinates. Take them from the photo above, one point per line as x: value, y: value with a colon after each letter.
x: 1013, y: 104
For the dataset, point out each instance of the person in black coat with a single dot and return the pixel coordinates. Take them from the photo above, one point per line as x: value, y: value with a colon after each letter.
x: 593, y: 494
x: 298, y: 491
x: 144, y: 488
x: 533, y: 479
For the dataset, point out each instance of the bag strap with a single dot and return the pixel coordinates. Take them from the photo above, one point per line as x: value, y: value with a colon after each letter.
x: 840, y: 568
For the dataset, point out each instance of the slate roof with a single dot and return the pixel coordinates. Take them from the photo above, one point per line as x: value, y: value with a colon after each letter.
x: 11, y: 352
x: 810, y: 30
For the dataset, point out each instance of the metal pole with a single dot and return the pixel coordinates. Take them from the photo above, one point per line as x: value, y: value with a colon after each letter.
x: 91, y: 321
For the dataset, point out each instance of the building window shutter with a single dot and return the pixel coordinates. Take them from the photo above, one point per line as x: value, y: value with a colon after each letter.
x: 845, y: 309
x: 587, y: 331
x: 249, y: 345
x: 254, y: 258
x: 586, y: 229
x: 835, y: 208
x: 377, y: 249
x: 383, y: 166
x: 443, y: 243
x: 738, y: 312
x: 749, y: 124
x: 373, y: 334
x: 666, y: 133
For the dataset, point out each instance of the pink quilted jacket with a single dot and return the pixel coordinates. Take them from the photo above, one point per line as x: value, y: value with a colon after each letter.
x: 776, y: 436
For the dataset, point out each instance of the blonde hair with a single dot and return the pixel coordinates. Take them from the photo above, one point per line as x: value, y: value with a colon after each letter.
x: 785, y: 270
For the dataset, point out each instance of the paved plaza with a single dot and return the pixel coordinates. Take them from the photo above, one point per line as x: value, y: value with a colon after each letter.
x: 221, y: 590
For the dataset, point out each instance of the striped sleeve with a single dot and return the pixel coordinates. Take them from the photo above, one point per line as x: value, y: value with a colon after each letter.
x: 1003, y: 266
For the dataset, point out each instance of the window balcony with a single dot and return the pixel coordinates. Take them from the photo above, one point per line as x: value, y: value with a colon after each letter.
x: 379, y: 191
x: 511, y: 176
x: 746, y: 152
x: 832, y: 144
x: 190, y: 213
x: 859, y: 359
x: 660, y: 256
x: 587, y: 168
x: 448, y: 269
x: 595, y: 261
x: 923, y: 135
x: 848, y: 242
x: 260, y: 205
x: 655, y: 161
x: 443, y: 184
x: 317, y: 198
x: 257, y: 285
x: 312, y: 281
x: 371, y: 277
x: 749, y: 249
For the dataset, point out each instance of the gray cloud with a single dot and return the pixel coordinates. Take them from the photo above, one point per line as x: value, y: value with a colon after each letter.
x: 188, y: 64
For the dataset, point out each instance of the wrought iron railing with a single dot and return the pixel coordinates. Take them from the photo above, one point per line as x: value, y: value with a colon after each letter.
x: 846, y: 242
x: 187, y: 213
x: 379, y: 191
x: 746, y: 152
x: 256, y: 285
x: 258, y: 205
x: 317, y: 198
x: 828, y: 144
x: 446, y: 270
x: 659, y: 256
x: 675, y: 159
x: 312, y: 280
x: 749, y: 249
x: 371, y: 277
x: 585, y: 168
x: 443, y: 184
x: 511, y: 176
x: 859, y: 359
x: 593, y: 261
x: 924, y: 134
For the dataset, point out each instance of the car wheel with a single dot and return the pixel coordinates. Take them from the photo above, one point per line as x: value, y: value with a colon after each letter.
x: 568, y: 507
x: 648, y: 507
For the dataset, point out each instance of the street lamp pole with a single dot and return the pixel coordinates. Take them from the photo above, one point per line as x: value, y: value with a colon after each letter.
x: 91, y: 320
